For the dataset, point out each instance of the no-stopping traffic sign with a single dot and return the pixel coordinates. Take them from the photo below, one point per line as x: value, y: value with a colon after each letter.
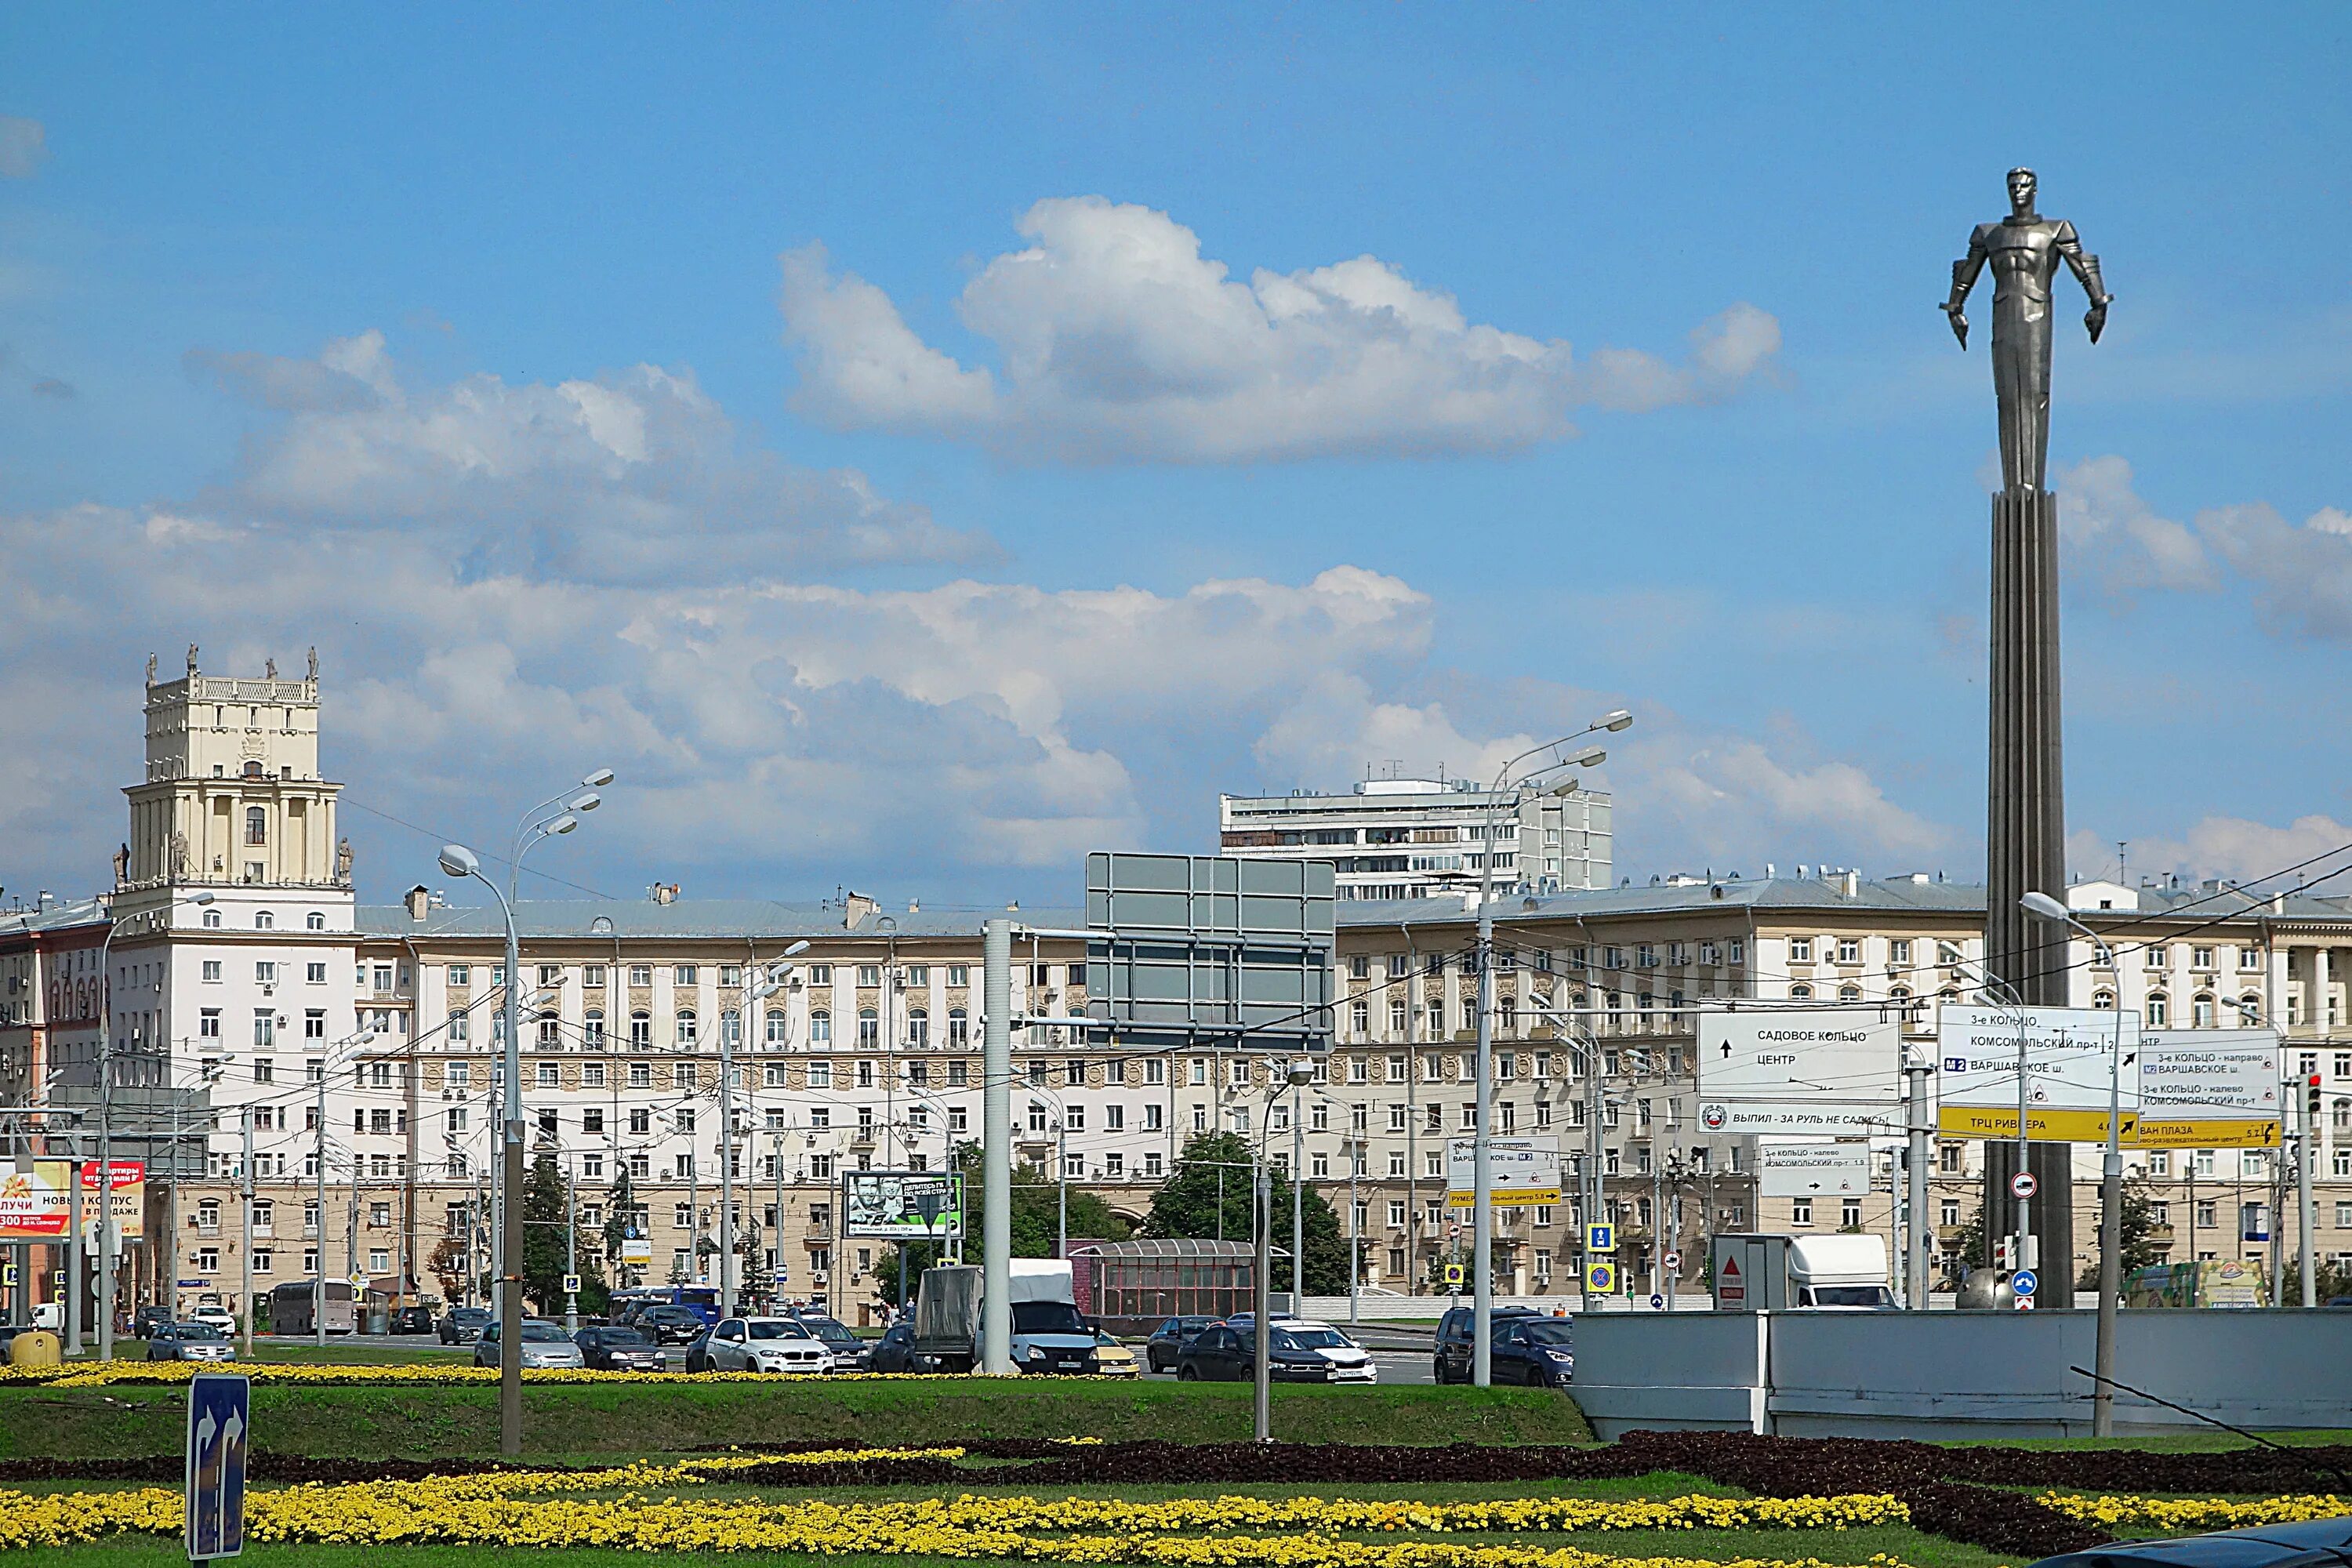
x: 2023, y: 1184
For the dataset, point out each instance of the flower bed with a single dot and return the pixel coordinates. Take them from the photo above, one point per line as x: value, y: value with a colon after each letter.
x: 420, y: 1375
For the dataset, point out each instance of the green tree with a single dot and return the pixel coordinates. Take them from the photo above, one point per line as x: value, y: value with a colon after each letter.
x: 1212, y: 1178
x: 1036, y: 1223
x: 546, y: 1220
x: 2136, y: 1234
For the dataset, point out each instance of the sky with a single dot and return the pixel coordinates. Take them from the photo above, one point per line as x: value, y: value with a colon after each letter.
x: 914, y: 446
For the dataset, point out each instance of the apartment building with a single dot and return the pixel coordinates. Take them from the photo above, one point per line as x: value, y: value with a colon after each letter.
x: 1403, y: 838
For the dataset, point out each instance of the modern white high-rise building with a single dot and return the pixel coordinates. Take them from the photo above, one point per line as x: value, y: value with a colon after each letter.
x: 1421, y: 838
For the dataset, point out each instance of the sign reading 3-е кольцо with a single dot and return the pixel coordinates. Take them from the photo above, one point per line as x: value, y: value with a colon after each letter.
x: 1828, y: 1072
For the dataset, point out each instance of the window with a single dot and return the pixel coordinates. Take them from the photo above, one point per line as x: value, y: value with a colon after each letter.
x: 262, y: 919
x: 641, y: 974
x: 683, y: 975
x: 212, y: 920
x: 1801, y: 951
x: 265, y: 971
x: 265, y: 1029
x: 1849, y: 950
x: 869, y: 1029
x: 549, y: 1076
x: 641, y: 1030
x: 687, y: 1026
x: 592, y: 1033
x: 685, y: 1076
x: 1800, y: 1212
x: 2200, y: 958
x: 256, y: 824
x: 870, y: 976
x: 918, y: 1027
x: 2158, y: 1008
x: 591, y: 977
x: 2200, y: 1010
x: 1850, y: 1214
x: 1899, y: 951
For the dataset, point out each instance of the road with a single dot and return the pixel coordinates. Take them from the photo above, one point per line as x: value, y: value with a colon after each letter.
x: 1396, y: 1366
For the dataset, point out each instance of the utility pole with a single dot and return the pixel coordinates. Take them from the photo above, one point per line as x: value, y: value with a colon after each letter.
x: 76, y: 1252
x: 319, y: 1231
x: 245, y: 1268
x: 726, y: 1162
x: 1412, y: 1269
x: 996, y: 1147
x: 571, y: 1250
x: 1298, y: 1203
x: 1923, y: 1252
x: 1262, y: 1214
x: 2307, y: 1155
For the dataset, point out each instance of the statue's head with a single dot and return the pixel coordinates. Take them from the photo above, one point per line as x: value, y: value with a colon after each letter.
x: 2021, y: 187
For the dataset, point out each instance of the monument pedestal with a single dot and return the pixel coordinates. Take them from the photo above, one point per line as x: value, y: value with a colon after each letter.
x: 2025, y: 833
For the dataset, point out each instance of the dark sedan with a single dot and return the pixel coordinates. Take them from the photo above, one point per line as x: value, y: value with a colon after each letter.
x: 895, y: 1351
x: 1297, y: 1352
x: 668, y: 1325
x: 610, y: 1349
x: 1171, y: 1337
x: 410, y: 1320
x: 462, y: 1325
x: 1537, y: 1352
x: 848, y: 1352
x: 2315, y: 1543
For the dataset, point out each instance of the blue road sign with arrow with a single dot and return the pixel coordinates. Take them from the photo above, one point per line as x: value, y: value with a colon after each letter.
x: 220, y: 1428
x: 2023, y: 1282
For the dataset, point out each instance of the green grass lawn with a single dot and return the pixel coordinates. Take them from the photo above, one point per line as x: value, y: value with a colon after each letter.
x: 619, y: 1418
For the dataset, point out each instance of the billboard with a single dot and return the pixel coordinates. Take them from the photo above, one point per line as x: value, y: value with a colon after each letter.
x: 2068, y: 1053
x: 1202, y: 947
x: 887, y: 1205
x: 36, y: 1205
x: 1790, y: 1168
x: 1522, y: 1173
x: 1819, y: 1071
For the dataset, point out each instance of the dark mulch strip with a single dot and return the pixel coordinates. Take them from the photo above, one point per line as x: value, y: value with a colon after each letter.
x: 1110, y: 1463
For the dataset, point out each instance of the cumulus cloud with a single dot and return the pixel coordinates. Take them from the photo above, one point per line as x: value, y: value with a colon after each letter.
x: 2300, y: 576
x: 612, y: 479
x: 23, y: 147
x: 2227, y: 847
x: 1116, y: 340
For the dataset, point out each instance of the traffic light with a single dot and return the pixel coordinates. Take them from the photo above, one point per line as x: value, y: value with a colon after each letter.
x: 2311, y: 1099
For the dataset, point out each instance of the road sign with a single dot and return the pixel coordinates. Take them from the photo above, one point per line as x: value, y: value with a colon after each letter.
x: 1992, y: 1122
x: 2173, y: 1132
x: 1730, y: 1285
x: 1812, y: 1169
x: 1454, y: 1274
x: 1601, y: 1236
x: 7, y: 1274
x: 571, y: 1284
x: 2023, y: 1282
x: 782, y: 1276
x: 2067, y: 1055
x: 1821, y: 1071
x: 2023, y: 1184
x: 1657, y: 1303
x: 1674, y: 1261
x: 357, y: 1281
x: 638, y: 1251
x: 1600, y: 1279
x: 1454, y: 1230
x: 2023, y: 1304
x: 1208, y: 948
x: 2208, y: 1088
x: 1521, y: 1173
x: 220, y: 1429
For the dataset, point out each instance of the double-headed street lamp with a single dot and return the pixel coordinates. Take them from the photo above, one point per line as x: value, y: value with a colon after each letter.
x: 2111, y: 1185
x: 550, y: 818
x: 1482, y: 1219
x: 769, y: 981
x: 106, y: 1137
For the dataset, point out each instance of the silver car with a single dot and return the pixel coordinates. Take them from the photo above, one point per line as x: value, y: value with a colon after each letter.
x: 543, y: 1345
x: 189, y: 1341
x: 766, y: 1344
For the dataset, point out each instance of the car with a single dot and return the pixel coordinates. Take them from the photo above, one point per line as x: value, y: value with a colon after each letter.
x: 1113, y: 1359
x: 895, y: 1351
x: 610, y: 1348
x: 464, y: 1325
x: 543, y: 1345
x: 1160, y: 1350
x: 410, y: 1320
x: 2315, y: 1541
x: 1298, y: 1349
x: 669, y: 1325
x: 1455, y: 1331
x: 216, y: 1317
x: 848, y: 1352
x: 698, y: 1352
x: 1537, y: 1352
x: 766, y: 1344
x: 1245, y: 1323
x: 189, y: 1341
x: 144, y: 1321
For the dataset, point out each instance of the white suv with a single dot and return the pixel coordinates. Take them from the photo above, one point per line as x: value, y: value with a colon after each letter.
x: 766, y: 1344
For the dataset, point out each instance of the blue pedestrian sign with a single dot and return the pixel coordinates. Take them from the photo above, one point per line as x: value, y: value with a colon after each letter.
x: 220, y: 1429
x: 2023, y: 1282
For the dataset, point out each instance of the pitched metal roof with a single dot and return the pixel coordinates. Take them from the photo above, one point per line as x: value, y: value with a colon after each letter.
x: 550, y: 919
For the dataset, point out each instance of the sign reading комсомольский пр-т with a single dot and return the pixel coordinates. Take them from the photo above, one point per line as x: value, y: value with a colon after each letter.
x: 1826, y: 1072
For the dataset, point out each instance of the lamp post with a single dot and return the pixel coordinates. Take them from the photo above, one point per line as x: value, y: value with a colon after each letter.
x: 2111, y: 1185
x: 106, y: 1133
x: 1294, y: 1075
x: 770, y: 982
x: 458, y: 861
x: 1481, y: 1217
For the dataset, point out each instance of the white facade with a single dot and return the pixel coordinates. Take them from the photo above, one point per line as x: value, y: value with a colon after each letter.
x: 1417, y: 839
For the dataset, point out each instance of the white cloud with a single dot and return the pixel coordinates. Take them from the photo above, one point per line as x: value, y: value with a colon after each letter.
x: 23, y: 147
x: 1118, y: 340
x: 630, y: 476
x: 2300, y: 576
x: 2224, y: 846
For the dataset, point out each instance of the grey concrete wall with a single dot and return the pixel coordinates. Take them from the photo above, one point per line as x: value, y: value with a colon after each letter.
x: 1940, y: 1375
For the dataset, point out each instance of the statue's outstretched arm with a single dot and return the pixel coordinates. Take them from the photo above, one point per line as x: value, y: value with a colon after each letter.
x: 1964, y: 277
x: 2085, y: 267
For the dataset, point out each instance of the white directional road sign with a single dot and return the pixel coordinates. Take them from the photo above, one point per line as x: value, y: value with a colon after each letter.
x: 1521, y: 1171
x: 1790, y: 1168
x: 1824, y: 1071
x: 2217, y: 1072
x: 2067, y: 1051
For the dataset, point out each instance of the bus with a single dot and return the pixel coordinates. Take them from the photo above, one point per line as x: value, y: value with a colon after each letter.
x: 290, y: 1308
x: 702, y: 1300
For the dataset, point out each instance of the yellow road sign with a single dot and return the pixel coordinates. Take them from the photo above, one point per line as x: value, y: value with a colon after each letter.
x: 1600, y: 1279
x: 1507, y: 1197
x: 2043, y: 1126
x: 1454, y: 1273
x: 2173, y: 1132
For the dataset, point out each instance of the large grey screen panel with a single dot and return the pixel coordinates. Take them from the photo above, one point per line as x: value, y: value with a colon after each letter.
x: 1204, y: 948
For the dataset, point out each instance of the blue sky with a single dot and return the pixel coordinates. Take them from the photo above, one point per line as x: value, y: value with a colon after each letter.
x: 835, y: 420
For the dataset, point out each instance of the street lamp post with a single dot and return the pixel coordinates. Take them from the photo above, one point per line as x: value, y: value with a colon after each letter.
x: 1262, y: 1201
x: 2111, y: 1187
x: 769, y: 983
x: 106, y: 1135
x: 1481, y: 1217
